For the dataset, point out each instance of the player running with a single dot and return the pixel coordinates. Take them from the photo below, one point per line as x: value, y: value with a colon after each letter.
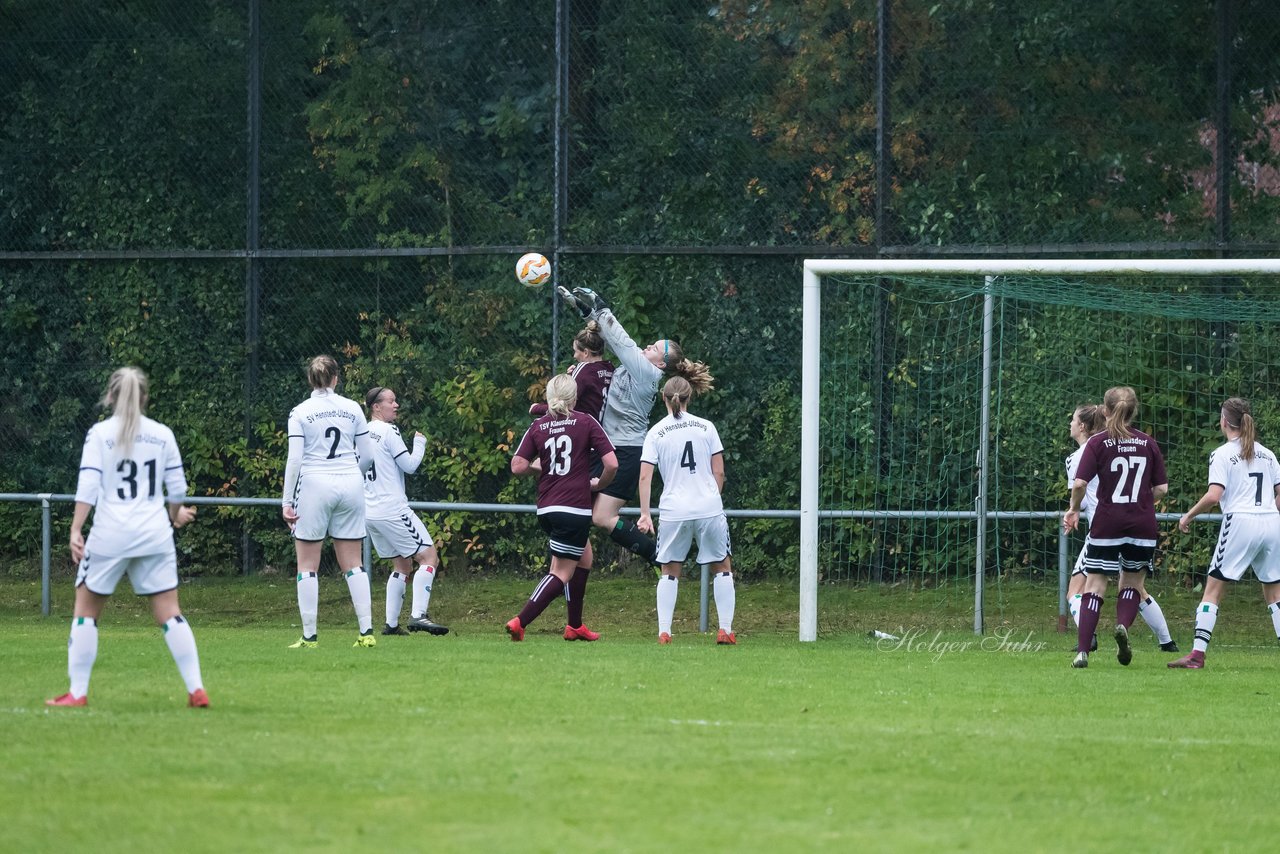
x: 1245, y: 480
x: 130, y: 469
x: 1123, y: 531
x: 394, y: 529
x: 557, y: 449
x: 688, y: 453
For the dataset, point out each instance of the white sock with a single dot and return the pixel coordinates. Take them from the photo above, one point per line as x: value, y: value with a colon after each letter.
x: 308, y: 602
x: 422, y: 590
x: 1073, y: 605
x: 1274, y: 610
x: 395, y: 597
x: 182, y: 646
x: 668, y: 587
x: 361, y: 597
x: 1206, y: 619
x: 82, y: 652
x: 726, y: 598
x: 1154, y: 617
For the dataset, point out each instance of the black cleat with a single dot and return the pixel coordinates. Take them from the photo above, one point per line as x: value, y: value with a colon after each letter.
x: 1171, y: 646
x: 425, y: 624
x: 1124, y: 653
x: 394, y: 630
x: 1093, y: 645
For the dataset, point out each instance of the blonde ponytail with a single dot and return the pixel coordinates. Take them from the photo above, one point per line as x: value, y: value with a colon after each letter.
x: 126, y: 397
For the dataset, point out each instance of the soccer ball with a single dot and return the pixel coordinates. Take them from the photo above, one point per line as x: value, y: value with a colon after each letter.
x: 533, y: 269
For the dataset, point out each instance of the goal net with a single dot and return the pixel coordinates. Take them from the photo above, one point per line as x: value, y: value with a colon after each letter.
x: 937, y: 398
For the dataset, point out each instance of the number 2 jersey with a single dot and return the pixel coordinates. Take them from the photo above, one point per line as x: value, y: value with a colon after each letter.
x: 681, y: 449
x: 564, y: 446
x: 328, y: 434
x: 131, y: 516
x: 1126, y: 469
x: 1248, y: 486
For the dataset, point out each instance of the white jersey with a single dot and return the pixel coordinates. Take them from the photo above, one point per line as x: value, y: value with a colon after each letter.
x: 328, y: 434
x: 1248, y: 485
x: 384, y: 495
x: 1090, y: 491
x: 633, y: 389
x: 681, y: 449
x: 130, y: 493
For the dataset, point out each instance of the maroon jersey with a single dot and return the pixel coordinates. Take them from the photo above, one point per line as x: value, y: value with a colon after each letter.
x: 592, y: 379
x: 564, y: 447
x: 1126, y: 469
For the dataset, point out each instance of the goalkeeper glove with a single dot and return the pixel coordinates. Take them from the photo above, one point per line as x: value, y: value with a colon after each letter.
x: 589, y: 301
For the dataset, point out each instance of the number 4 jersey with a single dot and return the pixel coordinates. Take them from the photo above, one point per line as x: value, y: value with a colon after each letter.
x: 681, y: 449
x: 131, y: 515
x: 563, y: 446
x: 1126, y: 469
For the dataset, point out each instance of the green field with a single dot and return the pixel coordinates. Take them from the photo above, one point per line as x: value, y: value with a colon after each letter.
x: 472, y: 743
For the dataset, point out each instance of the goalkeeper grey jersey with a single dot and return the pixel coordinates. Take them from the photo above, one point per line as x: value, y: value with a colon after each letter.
x: 634, y: 387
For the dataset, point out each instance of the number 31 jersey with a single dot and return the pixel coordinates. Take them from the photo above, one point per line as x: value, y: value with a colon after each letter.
x: 130, y: 516
x: 1126, y: 469
x: 1248, y: 486
x: 681, y: 449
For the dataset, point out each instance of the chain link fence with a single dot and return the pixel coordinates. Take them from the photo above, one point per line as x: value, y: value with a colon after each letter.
x: 218, y: 192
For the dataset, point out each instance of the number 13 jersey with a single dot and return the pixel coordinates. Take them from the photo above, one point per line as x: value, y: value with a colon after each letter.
x: 681, y: 449
x: 1126, y: 469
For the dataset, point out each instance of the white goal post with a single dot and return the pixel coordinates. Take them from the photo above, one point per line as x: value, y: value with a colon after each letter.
x: 816, y: 268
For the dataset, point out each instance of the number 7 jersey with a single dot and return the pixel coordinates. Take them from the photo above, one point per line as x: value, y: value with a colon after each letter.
x: 1126, y: 469
x: 1248, y: 486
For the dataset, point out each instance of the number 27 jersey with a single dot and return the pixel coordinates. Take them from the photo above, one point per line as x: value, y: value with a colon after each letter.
x: 1126, y: 469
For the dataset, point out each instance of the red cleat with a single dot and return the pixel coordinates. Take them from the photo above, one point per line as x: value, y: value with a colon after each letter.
x: 726, y: 638
x: 515, y: 629
x: 198, y: 699
x: 1191, y: 661
x: 664, y: 639
x: 581, y: 633
x: 68, y: 699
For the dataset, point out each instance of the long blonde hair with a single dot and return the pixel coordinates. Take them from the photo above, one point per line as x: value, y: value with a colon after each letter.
x: 1236, y: 411
x: 676, y: 393
x: 126, y: 397
x: 562, y: 394
x: 322, y: 371
x: 1121, y: 405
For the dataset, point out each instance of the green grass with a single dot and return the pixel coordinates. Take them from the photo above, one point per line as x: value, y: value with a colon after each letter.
x: 472, y: 743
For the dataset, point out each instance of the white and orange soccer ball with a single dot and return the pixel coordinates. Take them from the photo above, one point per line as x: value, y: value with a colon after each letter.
x: 533, y: 269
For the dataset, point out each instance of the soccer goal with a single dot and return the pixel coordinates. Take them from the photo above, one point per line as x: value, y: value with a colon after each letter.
x: 936, y: 399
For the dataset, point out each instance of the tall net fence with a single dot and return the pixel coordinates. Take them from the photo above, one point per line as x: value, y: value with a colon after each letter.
x: 901, y: 442
x: 217, y: 192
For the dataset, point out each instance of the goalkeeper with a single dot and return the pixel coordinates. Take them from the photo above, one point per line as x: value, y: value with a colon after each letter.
x: 627, y: 406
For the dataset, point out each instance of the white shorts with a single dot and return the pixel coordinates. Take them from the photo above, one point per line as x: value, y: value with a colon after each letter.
x: 1078, y: 569
x: 401, y: 537
x: 1248, y: 539
x: 675, y: 538
x: 149, y: 574
x: 330, y: 505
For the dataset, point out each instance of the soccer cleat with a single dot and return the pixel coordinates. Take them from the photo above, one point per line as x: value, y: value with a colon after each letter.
x: 1093, y: 644
x: 366, y: 639
x: 306, y: 643
x: 664, y: 639
x: 515, y: 629
x: 389, y: 629
x: 68, y: 699
x: 1169, y: 646
x: 1193, y: 660
x: 1124, y: 653
x: 726, y: 638
x: 1081, y: 660
x: 198, y: 699
x: 425, y: 624
x: 580, y: 633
